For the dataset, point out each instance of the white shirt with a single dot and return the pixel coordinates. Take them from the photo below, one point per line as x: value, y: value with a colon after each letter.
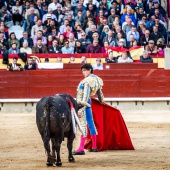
x: 45, y: 17
x: 97, y: 67
x: 95, y: 2
x: 53, y: 6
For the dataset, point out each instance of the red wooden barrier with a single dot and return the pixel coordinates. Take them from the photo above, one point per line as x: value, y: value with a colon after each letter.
x: 117, y: 82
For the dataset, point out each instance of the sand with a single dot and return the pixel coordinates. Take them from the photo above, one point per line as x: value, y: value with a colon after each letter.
x: 21, y: 146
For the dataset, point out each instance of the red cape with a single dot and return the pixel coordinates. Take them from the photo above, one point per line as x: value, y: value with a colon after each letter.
x: 112, y: 130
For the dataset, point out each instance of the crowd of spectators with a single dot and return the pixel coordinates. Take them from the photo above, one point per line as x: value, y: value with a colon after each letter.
x: 83, y: 26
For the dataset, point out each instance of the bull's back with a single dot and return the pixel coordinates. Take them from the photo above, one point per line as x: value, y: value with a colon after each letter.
x: 59, y: 114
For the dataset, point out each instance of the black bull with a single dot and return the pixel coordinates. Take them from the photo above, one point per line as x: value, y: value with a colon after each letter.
x: 54, y: 122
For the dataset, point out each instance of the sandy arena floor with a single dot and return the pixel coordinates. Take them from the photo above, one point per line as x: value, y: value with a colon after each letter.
x: 21, y: 146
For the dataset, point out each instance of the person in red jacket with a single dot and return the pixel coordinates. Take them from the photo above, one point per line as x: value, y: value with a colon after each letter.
x: 94, y: 48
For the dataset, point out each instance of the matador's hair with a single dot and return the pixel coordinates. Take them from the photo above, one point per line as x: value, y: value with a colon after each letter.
x: 87, y: 67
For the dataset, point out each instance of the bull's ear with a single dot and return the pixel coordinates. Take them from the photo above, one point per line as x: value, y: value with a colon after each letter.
x: 80, y: 106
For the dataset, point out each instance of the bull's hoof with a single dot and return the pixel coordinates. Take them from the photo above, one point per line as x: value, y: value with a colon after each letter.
x: 59, y: 163
x: 71, y: 159
x: 49, y: 164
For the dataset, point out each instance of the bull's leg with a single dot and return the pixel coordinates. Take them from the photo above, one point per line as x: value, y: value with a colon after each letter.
x: 70, y: 146
x: 46, y: 141
x: 58, y: 144
x: 53, y: 149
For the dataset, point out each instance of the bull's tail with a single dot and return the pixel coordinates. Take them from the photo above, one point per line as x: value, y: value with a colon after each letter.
x: 47, y: 127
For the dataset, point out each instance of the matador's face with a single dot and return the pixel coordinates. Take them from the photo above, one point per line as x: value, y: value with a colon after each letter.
x: 85, y: 72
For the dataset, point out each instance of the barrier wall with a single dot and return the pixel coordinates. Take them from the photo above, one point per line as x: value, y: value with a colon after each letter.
x: 140, y: 80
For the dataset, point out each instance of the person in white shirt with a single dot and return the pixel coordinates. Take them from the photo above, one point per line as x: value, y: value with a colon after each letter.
x: 124, y: 58
x: 95, y: 2
x: 98, y: 65
x: 49, y: 15
x: 54, y: 5
x: 17, y: 12
x: 25, y: 48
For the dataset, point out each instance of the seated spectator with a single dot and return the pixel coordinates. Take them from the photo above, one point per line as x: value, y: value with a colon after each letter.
x: 110, y: 38
x: 91, y: 32
x: 157, y: 6
x: 79, y: 47
x: 27, y: 39
x: 39, y: 48
x: 59, y: 60
x: 98, y: 65
x: 105, y: 48
x: 66, y: 49
x: 55, y: 34
x: 119, y: 30
x: 110, y: 58
x: 88, y: 27
x: 37, y: 27
x: 124, y: 58
x: 14, y: 66
x: 128, y: 26
x: 54, y: 48
x: 72, y: 60
x: 140, y: 10
x: 111, y: 17
x: 32, y: 23
x: 129, y: 13
x: 160, y: 43
x: 160, y: 26
x: 141, y: 27
x: 45, y: 32
x: 72, y: 40
x: 102, y: 24
x: 39, y: 36
x: 49, y: 15
x: 61, y: 41
x: 78, y: 31
x: 12, y: 39
x: 13, y: 49
x: 67, y: 32
x: 145, y: 39
x: 130, y: 42
x: 83, y: 60
x: 121, y: 42
x: 84, y: 40
x: 49, y: 40
x: 145, y: 58
x: 151, y: 48
x: 5, y: 15
x: 104, y: 32
x: 25, y: 48
x: 30, y: 19
x: 94, y: 48
x: 63, y: 27
x: 17, y: 12
x: 133, y: 32
x: 155, y: 35
x: 3, y: 31
x: 30, y: 65
x: 4, y: 41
